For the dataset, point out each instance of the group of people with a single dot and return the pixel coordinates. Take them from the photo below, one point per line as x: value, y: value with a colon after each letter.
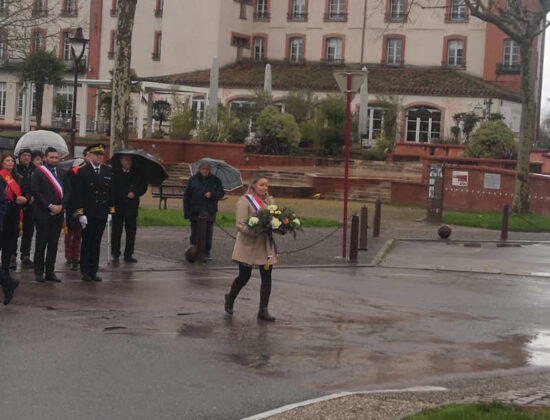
x: 36, y: 195
x: 252, y: 249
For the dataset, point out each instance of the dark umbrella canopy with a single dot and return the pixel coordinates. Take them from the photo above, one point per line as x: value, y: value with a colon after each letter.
x: 229, y: 176
x: 68, y: 164
x: 152, y: 170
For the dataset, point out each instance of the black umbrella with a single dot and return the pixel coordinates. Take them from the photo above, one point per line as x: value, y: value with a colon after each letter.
x: 152, y: 170
x: 70, y: 163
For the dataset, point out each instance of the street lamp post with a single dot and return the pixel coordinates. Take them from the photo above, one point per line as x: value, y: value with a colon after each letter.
x: 78, y: 45
x: 349, y: 81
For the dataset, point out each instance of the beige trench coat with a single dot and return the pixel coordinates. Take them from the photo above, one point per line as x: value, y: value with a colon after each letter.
x: 250, y: 248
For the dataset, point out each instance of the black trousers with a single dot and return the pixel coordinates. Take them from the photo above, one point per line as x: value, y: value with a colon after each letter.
x: 91, y: 245
x: 130, y: 223
x: 245, y: 272
x: 47, y: 239
x: 28, y: 231
x: 10, y: 232
x: 209, y: 234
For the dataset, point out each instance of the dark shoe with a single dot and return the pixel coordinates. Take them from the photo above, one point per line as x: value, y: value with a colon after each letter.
x: 263, y: 315
x: 87, y: 278
x: 74, y: 266
x: 8, y: 286
x: 208, y: 257
x: 95, y: 277
x: 27, y: 263
x: 229, y: 304
x: 53, y: 278
x: 39, y: 278
x: 236, y: 287
x: 130, y: 259
x: 115, y: 259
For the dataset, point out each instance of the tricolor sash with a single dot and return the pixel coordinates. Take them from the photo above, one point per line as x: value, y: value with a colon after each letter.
x: 13, y: 190
x: 51, y: 177
x: 255, y: 202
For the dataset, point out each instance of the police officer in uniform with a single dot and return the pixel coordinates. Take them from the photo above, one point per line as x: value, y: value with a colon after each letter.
x: 94, y: 189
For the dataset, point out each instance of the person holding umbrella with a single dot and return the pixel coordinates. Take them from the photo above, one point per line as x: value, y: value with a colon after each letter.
x: 95, y: 206
x: 129, y: 186
x: 201, y: 196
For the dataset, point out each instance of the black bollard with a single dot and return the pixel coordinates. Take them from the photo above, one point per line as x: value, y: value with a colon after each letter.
x: 364, y: 228
x: 377, y: 217
x: 201, y: 238
x: 504, y: 230
x: 354, y: 239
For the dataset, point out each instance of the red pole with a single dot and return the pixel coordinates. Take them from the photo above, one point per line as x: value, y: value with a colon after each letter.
x: 346, y: 170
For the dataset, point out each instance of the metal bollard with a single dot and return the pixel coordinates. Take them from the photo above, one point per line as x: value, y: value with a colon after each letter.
x: 504, y: 230
x: 201, y: 238
x: 377, y: 217
x: 364, y: 228
x: 354, y: 239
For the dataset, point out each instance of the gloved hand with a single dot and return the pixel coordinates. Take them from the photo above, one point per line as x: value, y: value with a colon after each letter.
x: 109, y: 218
x: 83, y: 221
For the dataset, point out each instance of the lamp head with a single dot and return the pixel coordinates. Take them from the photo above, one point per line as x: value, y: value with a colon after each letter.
x: 78, y: 43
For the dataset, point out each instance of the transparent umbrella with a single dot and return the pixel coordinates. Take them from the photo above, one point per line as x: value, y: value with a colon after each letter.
x: 40, y: 140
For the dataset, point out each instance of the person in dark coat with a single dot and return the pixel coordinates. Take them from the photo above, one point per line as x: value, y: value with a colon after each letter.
x: 201, y: 196
x: 25, y: 168
x: 128, y: 186
x: 8, y: 283
x: 94, y: 191
x: 51, y: 191
x: 12, y: 221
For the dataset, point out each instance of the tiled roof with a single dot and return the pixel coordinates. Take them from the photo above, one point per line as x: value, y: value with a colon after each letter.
x: 319, y: 77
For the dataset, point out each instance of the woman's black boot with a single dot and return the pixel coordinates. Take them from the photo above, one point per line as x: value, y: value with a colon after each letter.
x: 265, y: 292
x: 232, y: 295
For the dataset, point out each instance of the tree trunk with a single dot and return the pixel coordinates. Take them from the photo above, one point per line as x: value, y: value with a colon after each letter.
x: 122, y: 83
x: 39, y: 102
x: 521, y: 191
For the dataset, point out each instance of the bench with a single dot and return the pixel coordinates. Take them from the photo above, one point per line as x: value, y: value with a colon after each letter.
x: 166, y: 191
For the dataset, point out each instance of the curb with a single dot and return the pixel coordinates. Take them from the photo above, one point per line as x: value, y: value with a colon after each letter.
x: 289, y: 407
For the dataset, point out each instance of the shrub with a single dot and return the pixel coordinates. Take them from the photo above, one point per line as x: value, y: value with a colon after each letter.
x: 374, y: 153
x: 278, y: 133
x: 237, y: 131
x: 183, y: 122
x: 493, y: 139
x: 301, y: 105
x: 333, y: 140
x: 215, y: 132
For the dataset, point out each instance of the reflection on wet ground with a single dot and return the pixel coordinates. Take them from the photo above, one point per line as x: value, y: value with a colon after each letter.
x: 336, y: 329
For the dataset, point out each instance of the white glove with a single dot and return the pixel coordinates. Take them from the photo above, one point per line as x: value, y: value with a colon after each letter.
x: 83, y: 221
x: 109, y: 218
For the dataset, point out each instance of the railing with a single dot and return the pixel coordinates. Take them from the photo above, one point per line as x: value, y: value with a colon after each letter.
x: 395, y: 17
x: 39, y: 12
x: 336, y: 17
x: 111, y: 55
x: 264, y: 16
x: 158, y: 13
x: 296, y: 17
x: 113, y: 12
x: 9, y: 63
x: 333, y: 61
x: 508, y: 68
x: 69, y: 13
x: 456, y: 17
x: 155, y: 56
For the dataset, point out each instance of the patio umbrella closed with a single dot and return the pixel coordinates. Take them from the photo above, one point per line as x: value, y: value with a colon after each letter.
x: 229, y: 176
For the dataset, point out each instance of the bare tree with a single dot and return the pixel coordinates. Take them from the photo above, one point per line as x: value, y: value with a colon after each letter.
x: 122, y: 78
x: 523, y: 22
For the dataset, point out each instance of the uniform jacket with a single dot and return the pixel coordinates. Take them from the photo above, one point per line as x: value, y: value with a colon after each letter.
x: 194, y: 201
x: 94, y: 193
x: 250, y: 248
x: 124, y: 183
x: 45, y: 194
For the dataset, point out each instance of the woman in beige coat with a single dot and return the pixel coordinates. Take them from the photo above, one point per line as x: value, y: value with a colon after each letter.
x: 252, y: 249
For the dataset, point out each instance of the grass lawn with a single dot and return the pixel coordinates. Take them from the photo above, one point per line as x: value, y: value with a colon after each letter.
x: 155, y: 217
x: 493, y: 220
x: 482, y: 411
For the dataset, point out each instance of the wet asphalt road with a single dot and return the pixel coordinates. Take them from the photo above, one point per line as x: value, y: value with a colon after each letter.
x: 157, y: 344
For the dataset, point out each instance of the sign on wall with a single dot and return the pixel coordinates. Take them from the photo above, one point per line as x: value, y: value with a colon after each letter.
x: 460, y: 179
x: 491, y: 182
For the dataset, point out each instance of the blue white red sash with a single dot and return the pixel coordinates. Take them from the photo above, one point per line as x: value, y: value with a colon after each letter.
x: 51, y: 177
x: 255, y: 202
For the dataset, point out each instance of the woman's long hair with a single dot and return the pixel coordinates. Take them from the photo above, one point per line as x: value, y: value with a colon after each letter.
x: 255, y: 178
x: 4, y: 156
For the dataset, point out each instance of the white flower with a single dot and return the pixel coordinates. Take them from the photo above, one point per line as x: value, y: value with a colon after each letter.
x: 253, y: 221
x: 275, y: 223
x: 272, y: 207
x: 296, y: 222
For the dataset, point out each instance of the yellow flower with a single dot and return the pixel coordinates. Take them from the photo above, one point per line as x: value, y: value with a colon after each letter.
x: 253, y: 221
x: 271, y: 212
x: 296, y: 222
x: 278, y: 212
x: 275, y: 223
x: 272, y: 207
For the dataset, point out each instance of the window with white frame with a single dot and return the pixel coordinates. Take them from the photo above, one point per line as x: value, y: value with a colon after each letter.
x: 3, y: 6
x: 261, y: 8
x: 158, y: 46
x: 334, y: 49
x: 296, y: 49
x: 3, y: 46
x: 423, y: 124
x: 198, y: 105
x: 337, y: 8
x: 40, y: 6
x: 394, y: 51
x: 20, y: 102
x: 455, y: 51
x: 70, y: 7
x: 3, y: 97
x: 38, y: 40
x: 375, y: 121
x: 67, y: 53
x: 397, y: 9
x: 259, y: 48
x: 67, y: 93
x: 299, y: 9
x: 458, y: 10
x: 511, y: 54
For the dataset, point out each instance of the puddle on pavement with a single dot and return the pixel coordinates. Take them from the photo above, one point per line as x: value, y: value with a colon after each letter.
x: 539, y: 350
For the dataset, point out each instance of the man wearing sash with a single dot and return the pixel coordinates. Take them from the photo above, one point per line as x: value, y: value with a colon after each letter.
x: 51, y: 192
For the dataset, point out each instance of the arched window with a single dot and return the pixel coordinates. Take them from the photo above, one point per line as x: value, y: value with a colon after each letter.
x: 423, y: 124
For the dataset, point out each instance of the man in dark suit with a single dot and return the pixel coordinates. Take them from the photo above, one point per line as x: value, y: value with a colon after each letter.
x: 51, y: 192
x: 94, y: 195
x: 25, y: 168
x: 128, y: 187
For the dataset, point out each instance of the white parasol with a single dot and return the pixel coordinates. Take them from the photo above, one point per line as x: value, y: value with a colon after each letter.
x: 41, y: 140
